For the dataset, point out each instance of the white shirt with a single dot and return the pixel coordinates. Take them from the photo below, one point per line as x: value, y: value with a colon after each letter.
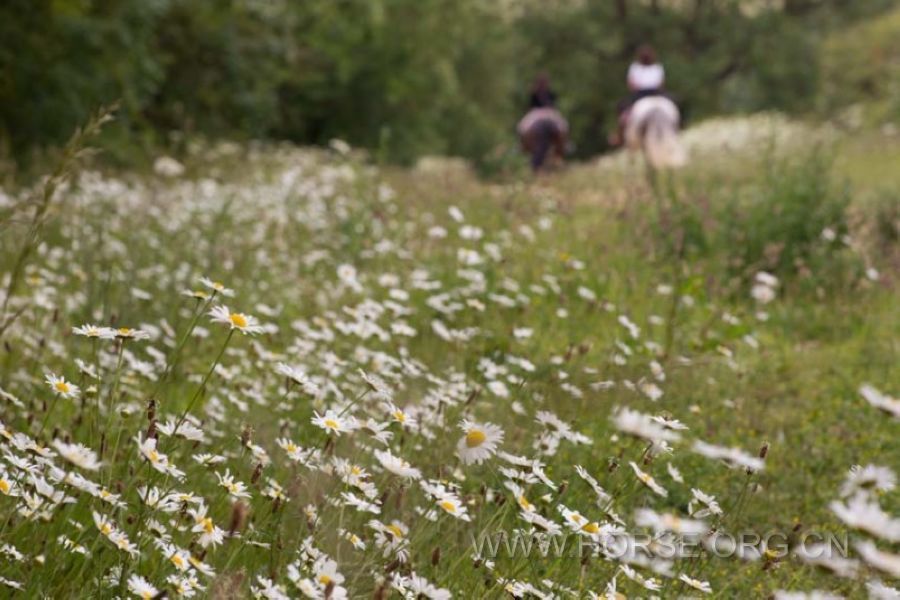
x: 646, y: 77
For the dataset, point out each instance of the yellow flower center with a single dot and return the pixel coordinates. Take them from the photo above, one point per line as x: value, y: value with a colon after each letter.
x: 146, y: 595
x: 218, y: 285
x: 591, y: 528
x: 324, y: 579
x: 5, y: 486
x: 124, y: 331
x: 448, y: 506
x: 291, y: 447
x: 208, y: 526
x: 475, y: 438
x: 355, y: 470
x: 105, y: 529
x: 398, y: 533
x: 238, y: 320
x: 400, y: 416
x: 672, y: 521
x: 331, y: 424
x: 524, y: 503
x: 154, y: 456
x: 62, y: 387
x: 177, y: 561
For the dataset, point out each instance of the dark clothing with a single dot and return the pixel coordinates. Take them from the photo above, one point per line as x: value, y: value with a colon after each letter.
x: 542, y: 99
x: 636, y: 95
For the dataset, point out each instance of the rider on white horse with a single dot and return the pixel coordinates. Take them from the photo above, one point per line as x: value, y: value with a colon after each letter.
x: 646, y: 77
x: 648, y: 118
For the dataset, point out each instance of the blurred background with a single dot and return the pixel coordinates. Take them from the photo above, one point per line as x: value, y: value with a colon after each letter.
x: 407, y: 78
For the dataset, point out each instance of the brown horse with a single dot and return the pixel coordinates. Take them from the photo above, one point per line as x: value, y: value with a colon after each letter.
x: 543, y: 133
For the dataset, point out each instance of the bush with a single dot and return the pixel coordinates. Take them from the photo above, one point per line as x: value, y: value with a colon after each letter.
x: 403, y: 78
x: 793, y: 223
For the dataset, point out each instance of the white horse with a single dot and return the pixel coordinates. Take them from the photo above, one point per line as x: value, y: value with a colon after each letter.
x: 652, y: 127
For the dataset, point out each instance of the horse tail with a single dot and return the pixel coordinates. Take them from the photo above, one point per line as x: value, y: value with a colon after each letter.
x: 662, y: 146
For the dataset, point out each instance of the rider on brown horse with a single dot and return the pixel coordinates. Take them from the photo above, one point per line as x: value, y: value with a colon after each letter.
x: 543, y: 129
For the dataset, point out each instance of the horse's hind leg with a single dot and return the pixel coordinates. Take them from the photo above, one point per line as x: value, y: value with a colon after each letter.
x: 541, y: 147
x: 559, y: 144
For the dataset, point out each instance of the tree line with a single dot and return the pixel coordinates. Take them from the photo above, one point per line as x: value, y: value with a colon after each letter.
x: 400, y: 77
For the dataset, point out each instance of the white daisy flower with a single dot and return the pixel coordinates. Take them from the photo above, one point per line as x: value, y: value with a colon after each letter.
x: 187, y: 430
x: 95, y: 331
x: 870, y: 477
x: 643, y: 426
x: 674, y: 473
x: 397, y: 465
x: 333, y: 423
x: 236, y: 489
x: 210, y: 533
x: 883, y: 561
x: 519, y: 495
x: 451, y: 505
x: 217, y: 287
x: 127, y: 333
x: 662, y: 522
x: 141, y: 588
x: 821, y: 555
x: 734, y: 457
x: 648, y: 480
x: 360, y: 504
x: 400, y: 416
x: 298, y: 377
x: 602, y: 496
x: 709, y: 502
x: 78, y: 454
x: 862, y: 512
x: 479, y: 442
x: 702, y: 586
x: 881, y: 401
x: 157, y: 460
x: 879, y: 591
x: 242, y: 322
x: 62, y: 387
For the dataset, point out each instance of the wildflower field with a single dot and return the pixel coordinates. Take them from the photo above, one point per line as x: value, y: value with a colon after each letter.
x: 285, y: 373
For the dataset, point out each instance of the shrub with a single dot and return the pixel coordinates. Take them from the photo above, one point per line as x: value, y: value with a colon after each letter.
x: 792, y: 223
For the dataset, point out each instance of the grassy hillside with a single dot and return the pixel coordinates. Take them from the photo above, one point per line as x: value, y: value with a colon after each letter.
x: 413, y: 360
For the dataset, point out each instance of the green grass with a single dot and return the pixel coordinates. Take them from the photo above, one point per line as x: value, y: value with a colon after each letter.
x: 276, y: 224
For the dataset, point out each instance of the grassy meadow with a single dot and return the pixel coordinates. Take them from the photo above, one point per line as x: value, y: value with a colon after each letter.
x: 279, y: 372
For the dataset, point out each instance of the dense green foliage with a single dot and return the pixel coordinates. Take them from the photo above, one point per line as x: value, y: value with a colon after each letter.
x: 862, y: 65
x: 402, y: 77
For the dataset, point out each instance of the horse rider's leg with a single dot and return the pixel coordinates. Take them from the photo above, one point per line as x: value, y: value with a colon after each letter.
x: 559, y: 144
x: 543, y: 131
